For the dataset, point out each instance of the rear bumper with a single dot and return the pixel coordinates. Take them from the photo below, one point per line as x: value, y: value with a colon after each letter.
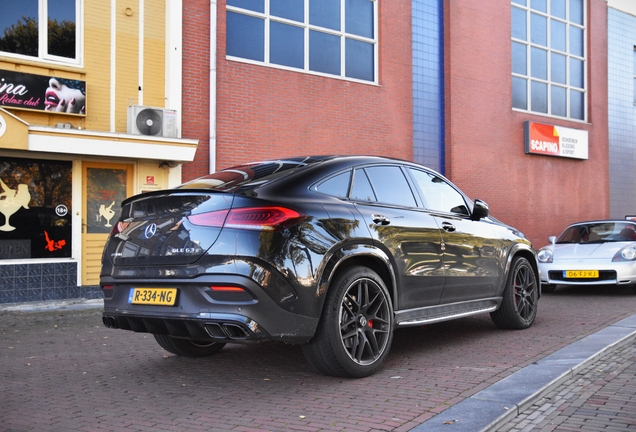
x: 199, y: 313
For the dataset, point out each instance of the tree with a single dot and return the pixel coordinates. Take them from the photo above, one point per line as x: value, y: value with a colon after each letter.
x: 22, y: 38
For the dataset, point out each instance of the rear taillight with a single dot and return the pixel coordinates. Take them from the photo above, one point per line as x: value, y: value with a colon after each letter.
x: 255, y: 218
x: 118, y: 227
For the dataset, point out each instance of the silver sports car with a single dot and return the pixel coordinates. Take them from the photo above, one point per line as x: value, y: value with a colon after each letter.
x: 590, y: 253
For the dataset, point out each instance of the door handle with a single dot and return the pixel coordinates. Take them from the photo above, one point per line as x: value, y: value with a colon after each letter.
x: 379, y: 219
x: 447, y: 226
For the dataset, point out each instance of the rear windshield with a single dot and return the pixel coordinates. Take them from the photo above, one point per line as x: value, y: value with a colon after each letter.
x: 599, y: 232
x: 248, y: 176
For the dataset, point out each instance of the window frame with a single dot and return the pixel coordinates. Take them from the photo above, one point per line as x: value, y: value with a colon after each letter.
x: 528, y: 77
x: 43, y: 24
x: 307, y: 29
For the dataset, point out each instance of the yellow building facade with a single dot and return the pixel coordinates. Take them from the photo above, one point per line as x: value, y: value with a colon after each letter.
x: 90, y: 102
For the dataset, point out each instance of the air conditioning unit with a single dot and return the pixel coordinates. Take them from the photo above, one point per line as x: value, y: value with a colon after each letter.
x: 150, y: 121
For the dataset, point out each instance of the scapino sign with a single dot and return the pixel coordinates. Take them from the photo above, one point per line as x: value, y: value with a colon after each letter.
x: 555, y: 140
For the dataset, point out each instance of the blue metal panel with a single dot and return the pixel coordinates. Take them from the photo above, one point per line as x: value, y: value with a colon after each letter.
x: 428, y: 83
x: 621, y: 113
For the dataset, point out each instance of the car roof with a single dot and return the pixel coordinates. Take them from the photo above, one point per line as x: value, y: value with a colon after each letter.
x: 252, y: 175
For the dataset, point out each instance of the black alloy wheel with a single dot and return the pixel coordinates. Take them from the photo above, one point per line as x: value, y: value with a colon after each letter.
x: 356, y: 330
x: 519, y: 305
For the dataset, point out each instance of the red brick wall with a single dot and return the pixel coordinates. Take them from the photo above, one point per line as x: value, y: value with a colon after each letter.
x: 485, y: 156
x: 264, y: 112
x: 196, y: 84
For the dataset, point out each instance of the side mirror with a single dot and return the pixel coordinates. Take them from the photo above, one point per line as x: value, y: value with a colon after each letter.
x: 480, y: 210
x: 552, y: 239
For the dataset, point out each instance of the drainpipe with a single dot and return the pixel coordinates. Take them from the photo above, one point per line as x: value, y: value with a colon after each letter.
x: 212, y: 146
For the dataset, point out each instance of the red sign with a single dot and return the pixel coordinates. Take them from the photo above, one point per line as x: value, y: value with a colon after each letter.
x: 553, y: 140
x: 150, y: 180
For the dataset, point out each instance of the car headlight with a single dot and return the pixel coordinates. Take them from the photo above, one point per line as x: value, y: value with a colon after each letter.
x: 628, y: 253
x: 545, y: 255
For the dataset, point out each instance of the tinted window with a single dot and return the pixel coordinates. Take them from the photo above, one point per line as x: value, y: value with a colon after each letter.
x: 362, y: 190
x: 286, y: 45
x: 245, y: 36
x: 359, y: 62
x: 324, y: 53
x: 249, y: 176
x: 337, y: 185
x: 359, y: 17
x: 390, y: 185
x: 439, y: 195
x: 290, y: 9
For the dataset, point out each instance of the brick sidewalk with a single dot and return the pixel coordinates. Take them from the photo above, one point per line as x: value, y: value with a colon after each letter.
x: 62, y: 370
x: 601, y: 397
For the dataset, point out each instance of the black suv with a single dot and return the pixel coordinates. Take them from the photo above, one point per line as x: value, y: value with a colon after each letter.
x: 330, y: 252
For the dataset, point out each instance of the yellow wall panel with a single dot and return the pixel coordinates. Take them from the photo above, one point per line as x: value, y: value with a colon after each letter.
x: 154, y: 53
x: 97, y: 63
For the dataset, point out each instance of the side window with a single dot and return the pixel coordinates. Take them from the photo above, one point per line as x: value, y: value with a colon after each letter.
x: 43, y: 29
x: 362, y: 190
x: 337, y: 185
x: 439, y: 195
x: 390, y: 185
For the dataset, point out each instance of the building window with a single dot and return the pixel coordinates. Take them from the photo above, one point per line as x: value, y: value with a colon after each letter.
x: 327, y: 37
x: 549, y: 57
x: 44, y: 29
x: 35, y: 208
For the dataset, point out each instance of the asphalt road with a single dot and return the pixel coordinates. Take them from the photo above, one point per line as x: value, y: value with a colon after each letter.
x: 62, y: 370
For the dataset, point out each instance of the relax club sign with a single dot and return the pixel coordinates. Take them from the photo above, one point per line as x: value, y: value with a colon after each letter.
x: 555, y: 140
x: 42, y: 93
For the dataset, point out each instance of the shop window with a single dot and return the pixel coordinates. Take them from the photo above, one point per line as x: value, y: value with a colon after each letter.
x: 549, y: 57
x: 327, y: 37
x: 44, y: 29
x: 35, y: 208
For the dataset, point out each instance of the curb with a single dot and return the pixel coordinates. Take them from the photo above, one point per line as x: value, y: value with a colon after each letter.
x: 501, y: 402
x: 77, y: 304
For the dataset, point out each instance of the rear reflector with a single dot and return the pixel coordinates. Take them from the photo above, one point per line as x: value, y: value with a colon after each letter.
x: 226, y: 288
x: 255, y: 218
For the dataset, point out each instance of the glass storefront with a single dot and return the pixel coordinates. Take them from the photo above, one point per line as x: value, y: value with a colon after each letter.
x: 35, y: 208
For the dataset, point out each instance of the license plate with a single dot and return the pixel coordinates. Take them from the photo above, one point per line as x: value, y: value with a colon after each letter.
x: 152, y: 296
x: 574, y: 274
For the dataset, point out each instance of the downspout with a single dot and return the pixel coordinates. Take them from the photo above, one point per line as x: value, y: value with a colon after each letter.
x: 212, y: 145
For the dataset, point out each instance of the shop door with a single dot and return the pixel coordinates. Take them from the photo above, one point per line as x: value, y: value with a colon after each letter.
x: 105, y: 186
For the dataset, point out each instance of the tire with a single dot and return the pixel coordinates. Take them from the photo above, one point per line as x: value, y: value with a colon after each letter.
x: 518, y: 308
x: 187, y: 347
x: 355, y: 331
x: 548, y: 288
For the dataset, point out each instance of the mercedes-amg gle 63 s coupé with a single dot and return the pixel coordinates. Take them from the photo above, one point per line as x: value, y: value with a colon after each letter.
x: 329, y: 252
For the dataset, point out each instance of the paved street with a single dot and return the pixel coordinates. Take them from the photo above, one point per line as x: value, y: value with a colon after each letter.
x: 61, y: 370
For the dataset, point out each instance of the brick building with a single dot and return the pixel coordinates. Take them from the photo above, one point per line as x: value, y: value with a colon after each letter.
x: 463, y: 87
x: 507, y: 98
